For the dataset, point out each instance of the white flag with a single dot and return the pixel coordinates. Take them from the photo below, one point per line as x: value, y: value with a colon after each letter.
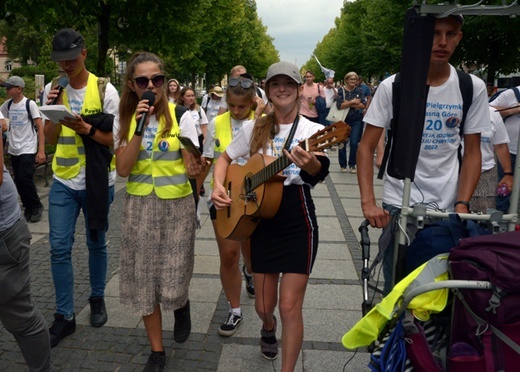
x: 328, y: 72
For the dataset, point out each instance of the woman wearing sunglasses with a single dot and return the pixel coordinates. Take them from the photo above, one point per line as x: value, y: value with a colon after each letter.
x: 158, y: 228
x: 240, y: 97
x: 287, y: 243
x: 237, y: 72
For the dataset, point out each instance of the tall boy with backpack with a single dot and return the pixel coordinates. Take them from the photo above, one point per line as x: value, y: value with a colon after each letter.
x: 440, y: 180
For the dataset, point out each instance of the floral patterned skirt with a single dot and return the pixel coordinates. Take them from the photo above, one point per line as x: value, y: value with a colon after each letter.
x: 157, y: 252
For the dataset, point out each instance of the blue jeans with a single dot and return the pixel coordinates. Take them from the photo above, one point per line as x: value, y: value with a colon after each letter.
x: 503, y: 201
x: 64, y: 207
x: 356, y: 130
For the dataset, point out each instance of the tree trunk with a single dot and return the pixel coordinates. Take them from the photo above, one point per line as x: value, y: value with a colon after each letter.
x: 103, y: 33
x: 492, y: 62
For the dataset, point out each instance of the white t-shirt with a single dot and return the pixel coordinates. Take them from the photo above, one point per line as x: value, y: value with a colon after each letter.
x: 240, y: 146
x: 22, y: 136
x: 508, y: 99
x: 212, y: 108
x: 110, y: 106
x: 436, y: 175
x: 329, y: 96
x: 199, y: 118
x: 496, y: 136
x: 186, y: 127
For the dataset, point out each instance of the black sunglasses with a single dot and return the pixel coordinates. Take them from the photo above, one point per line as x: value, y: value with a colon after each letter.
x: 245, y: 83
x: 142, y: 81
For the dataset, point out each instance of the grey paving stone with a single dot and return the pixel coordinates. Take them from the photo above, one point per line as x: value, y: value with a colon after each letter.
x: 331, y: 305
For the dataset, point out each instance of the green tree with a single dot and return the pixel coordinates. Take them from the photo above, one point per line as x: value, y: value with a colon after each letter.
x: 488, y: 41
x: 193, y: 38
x: 367, y: 38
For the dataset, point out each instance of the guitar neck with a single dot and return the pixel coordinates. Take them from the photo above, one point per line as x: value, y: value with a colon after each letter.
x: 269, y: 171
x: 319, y: 141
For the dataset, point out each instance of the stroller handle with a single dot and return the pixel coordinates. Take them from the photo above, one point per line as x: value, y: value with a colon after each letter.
x: 365, y: 239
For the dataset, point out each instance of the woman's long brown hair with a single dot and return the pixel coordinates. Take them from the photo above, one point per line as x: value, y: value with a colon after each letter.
x: 180, y: 99
x: 129, y: 98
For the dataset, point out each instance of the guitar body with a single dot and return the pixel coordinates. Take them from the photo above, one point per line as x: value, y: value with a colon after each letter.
x: 238, y: 221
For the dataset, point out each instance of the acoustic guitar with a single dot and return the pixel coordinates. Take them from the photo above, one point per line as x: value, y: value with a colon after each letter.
x: 256, y: 188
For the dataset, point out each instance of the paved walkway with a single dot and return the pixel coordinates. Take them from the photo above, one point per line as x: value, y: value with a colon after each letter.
x: 332, y: 303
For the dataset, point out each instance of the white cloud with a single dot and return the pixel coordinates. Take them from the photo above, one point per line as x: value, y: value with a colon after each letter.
x: 298, y: 25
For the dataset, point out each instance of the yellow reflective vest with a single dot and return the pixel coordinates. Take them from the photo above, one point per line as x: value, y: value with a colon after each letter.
x: 70, y: 152
x: 367, y: 330
x: 162, y: 170
x: 223, y: 133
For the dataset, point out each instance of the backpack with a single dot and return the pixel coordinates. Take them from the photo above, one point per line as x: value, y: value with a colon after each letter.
x: 179, y: 111
x: 439, y: 238
x: 205, y: 100
x: 485, y: 331
x: 28, y: 108
x: 466, y: 90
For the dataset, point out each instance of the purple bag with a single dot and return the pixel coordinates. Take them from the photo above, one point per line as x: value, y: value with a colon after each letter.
x: 485, y: 333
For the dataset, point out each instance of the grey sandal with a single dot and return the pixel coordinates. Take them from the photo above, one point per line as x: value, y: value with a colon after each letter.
x: 269, y: 343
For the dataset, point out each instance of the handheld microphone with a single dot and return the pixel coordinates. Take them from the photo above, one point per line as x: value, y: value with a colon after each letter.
x: 150, y: 96
x: 63, y: 81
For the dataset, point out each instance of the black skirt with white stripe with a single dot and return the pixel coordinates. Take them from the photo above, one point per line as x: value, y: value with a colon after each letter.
x: 288, y: 242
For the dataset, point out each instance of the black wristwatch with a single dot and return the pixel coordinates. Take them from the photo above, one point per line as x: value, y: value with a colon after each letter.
x: 92, y: 131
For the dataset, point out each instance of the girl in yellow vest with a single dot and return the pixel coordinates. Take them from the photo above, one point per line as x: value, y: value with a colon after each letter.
x: 158, y: 229
x: 240, y: 98
x: 287, y: 243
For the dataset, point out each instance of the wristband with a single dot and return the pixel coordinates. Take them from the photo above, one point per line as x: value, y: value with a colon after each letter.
x: 508, y: 173
x: 461, y: 202
x: 92, y: 131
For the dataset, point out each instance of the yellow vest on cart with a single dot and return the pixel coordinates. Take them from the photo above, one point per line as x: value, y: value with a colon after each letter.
x: 162, y: 170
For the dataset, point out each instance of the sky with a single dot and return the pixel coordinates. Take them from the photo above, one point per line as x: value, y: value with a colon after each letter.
x: 298, y: 25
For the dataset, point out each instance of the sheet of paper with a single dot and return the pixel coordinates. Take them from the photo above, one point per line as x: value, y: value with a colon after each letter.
x: 56, y: 113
